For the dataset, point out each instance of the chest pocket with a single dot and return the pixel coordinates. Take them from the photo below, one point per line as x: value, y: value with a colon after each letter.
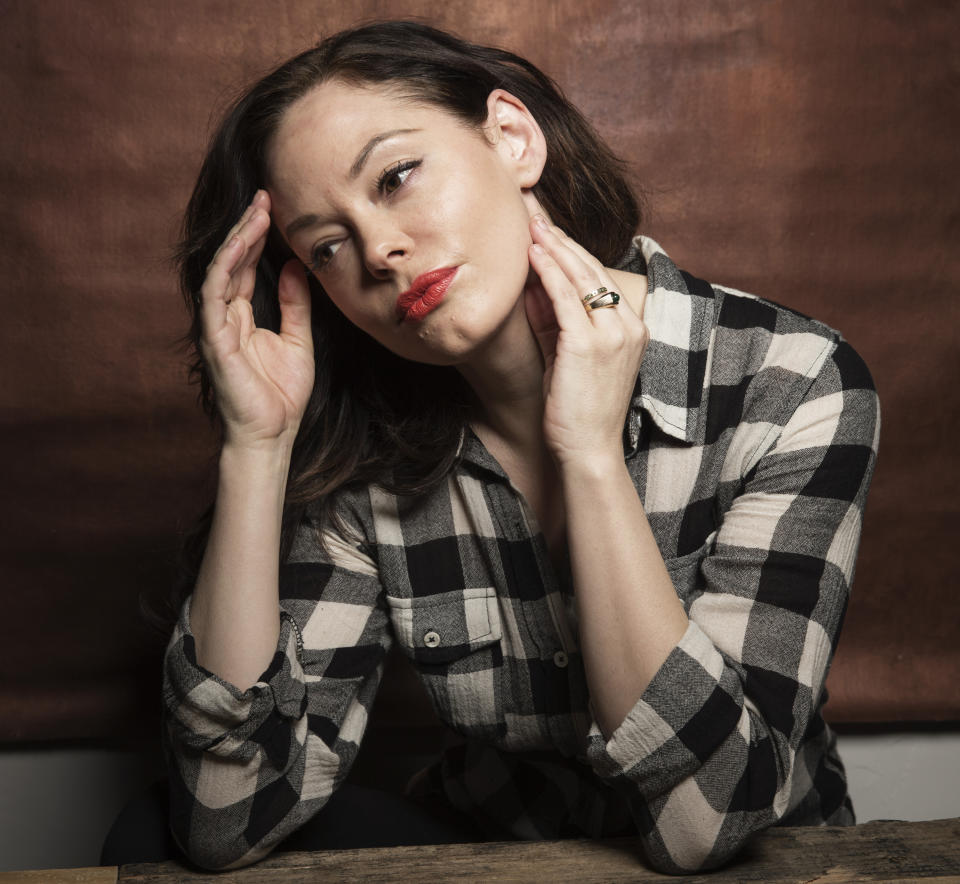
x: 453, y: 639
x: 446, y: 626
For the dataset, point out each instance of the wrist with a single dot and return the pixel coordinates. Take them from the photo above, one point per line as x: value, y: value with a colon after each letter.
x: 593, y: 467
x: 260, y: 447
x: 266, y: 462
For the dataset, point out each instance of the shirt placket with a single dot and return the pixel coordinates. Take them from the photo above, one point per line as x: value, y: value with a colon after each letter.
x: 557, y: 647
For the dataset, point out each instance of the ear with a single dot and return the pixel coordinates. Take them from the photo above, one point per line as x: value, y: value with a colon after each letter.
x: 516, y: 136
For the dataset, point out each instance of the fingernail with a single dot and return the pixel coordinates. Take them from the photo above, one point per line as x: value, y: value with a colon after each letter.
x: 540, y: 221
x: 539, y: 249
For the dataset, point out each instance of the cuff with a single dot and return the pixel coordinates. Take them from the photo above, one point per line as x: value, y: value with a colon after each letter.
x: 206, y: 713
x: 687, y: 711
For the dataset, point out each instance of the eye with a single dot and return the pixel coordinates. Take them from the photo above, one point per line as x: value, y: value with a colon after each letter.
x: 392, y: 179
x: 321, y: 255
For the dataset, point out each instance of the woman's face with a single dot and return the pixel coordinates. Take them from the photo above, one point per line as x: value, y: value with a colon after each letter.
x: 415, y: 224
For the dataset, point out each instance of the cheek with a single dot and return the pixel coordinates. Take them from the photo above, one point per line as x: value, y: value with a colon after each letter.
x: 496, y: 222
x: 357, y: 316
x: 345, y: 295
x: 510, y: 240
x: 479, y: 200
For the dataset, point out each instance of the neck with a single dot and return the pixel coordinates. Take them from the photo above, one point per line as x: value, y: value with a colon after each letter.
x: 507, y: 381
x: 506, y: 376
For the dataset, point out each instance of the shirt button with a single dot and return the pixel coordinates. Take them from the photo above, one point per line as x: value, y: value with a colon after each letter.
x: 560, y: 659
x: 431, y: 639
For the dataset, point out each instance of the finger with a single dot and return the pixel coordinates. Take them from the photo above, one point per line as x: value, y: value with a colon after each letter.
x: 585, y: 272
x: 567, y: 309
x: 213, y: 292
x: 241, y: 249
x: 294, y: 294
x: 254, y: 235
x: 542, y: 319
x: 581, y: 268
x: 578, y: 250
x: 603, y: 275
x: 261, y: 199
x: 227, y: 276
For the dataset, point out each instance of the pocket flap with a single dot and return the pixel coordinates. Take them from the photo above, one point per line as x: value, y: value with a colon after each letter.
x: 445, y: 626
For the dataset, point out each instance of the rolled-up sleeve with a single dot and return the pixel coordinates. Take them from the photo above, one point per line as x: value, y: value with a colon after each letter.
x: 247, y: 768
x: 727, y: 738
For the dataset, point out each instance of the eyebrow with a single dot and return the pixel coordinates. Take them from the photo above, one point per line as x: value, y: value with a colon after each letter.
x: 368, y: 148
x: 357, y: 167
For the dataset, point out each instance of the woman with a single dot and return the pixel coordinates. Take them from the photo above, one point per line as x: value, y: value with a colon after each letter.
x: 609, y: 511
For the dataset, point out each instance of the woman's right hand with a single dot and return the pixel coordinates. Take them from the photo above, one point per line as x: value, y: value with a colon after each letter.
x: 262, y: 380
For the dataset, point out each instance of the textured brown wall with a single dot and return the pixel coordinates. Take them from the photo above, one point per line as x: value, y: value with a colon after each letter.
x: 802, y: 151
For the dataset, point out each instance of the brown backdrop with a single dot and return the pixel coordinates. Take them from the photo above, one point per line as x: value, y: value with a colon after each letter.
x: 802, y: 151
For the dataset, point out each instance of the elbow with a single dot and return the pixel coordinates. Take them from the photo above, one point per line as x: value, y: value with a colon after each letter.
x: 215, y: 839
x: 691, y: 856
x: 215, y: 854
x: 687, y: 835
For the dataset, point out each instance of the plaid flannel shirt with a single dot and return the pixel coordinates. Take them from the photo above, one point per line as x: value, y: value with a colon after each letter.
x: 751, y: 439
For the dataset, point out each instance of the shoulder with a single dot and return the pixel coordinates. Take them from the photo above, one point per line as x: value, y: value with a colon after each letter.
x: 757, y: 338
x: 720, y: 356
x: 742, y: 329
x: 777, y: 367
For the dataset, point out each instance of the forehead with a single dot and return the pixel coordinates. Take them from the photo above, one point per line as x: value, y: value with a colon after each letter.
x: 333, y: 121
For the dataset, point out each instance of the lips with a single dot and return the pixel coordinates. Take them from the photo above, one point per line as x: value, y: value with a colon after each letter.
x: 425, y: 294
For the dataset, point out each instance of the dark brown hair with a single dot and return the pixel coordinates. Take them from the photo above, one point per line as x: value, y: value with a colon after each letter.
x: 373, y: 416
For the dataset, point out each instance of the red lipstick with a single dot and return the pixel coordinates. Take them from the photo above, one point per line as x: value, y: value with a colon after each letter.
x: 425, y: 294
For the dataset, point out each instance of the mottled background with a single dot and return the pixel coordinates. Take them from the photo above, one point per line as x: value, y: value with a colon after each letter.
x: 806, y: 152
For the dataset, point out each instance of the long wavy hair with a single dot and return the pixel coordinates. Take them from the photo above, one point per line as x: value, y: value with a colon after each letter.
x: 373, y: 416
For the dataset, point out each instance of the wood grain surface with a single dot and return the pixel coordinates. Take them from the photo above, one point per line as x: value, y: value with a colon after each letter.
x: 878, y: 851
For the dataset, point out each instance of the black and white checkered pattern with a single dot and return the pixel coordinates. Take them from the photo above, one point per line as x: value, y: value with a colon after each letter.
x: 751, y: 440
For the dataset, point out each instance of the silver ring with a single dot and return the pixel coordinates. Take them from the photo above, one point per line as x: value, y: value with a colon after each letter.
x: 591, y: 296
x: 609, y: 299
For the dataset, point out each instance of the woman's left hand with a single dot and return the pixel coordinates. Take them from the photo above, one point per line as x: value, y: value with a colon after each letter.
x: 591, y: 357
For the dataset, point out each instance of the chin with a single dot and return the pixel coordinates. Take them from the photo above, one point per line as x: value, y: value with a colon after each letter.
x: 459, y: 329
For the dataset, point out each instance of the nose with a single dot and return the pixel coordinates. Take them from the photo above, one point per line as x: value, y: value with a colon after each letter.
x: 385, y: 246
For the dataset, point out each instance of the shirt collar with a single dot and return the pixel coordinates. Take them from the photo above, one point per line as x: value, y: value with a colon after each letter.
x: 679, y: 317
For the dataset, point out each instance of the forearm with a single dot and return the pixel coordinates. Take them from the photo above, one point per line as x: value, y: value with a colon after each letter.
x: 295, y: 735
x: 629, y: 615
x: 235, y: 615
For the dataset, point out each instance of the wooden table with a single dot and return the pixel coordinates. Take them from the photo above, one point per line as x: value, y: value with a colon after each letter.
x: 877, y: 851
